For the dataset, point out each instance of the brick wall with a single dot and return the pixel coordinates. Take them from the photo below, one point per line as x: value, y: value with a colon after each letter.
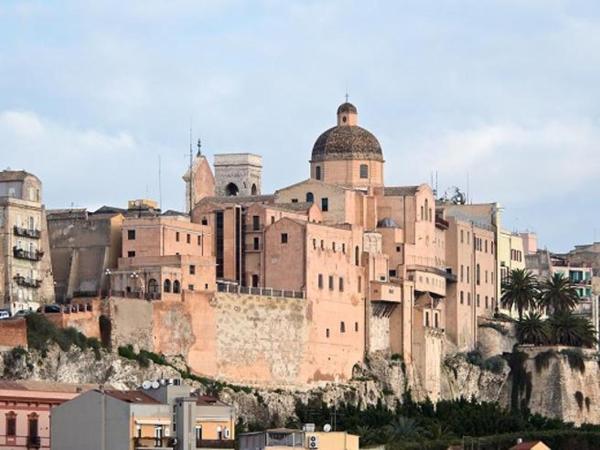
x: 13, y: 333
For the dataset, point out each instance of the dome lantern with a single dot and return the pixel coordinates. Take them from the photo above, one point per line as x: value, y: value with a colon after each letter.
x: 347, y: 115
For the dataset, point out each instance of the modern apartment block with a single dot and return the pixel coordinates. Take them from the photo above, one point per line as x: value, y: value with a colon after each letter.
x: 25, y: 271
x: 163, y: 414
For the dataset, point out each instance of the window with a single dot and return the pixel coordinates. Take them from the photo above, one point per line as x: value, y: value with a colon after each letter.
x: 356, y: 326
x: 478, y: 301
x: 314, y: 244
x: 468, y: 274
x: 322, y: 244
x: 468, y: 237
x: 256, y: 243
x: 342, y: 327
x: 478, y: 275
x: 188, y: 239
x: 327, y: 332
x: 255, y: 223
x: 393, y: 273
x: 190, y: 287
x: 310, y: 198
x: 359, y: 284
x: 462, y: 298
x: 325, y: 204
x: 167, y: 285
x: 204, y: 221
x: 177, y: 236
x: 462, y: 270
x: 356, y: 256
x: 11, y: 424
x: 199, y: 239
x: 426, y: 318
x: 320, y: 281
x: 255, y: 280
x: 486, y: 302
x: 331, y: 282
x: 131, y: 235
x: 192, y: 269
x: 422, y: 215
x: 131, y: 254
x: 294, y: 200
x: 364, y: 171
x: 462, y: 236
x: 176, y: 287
x: 318, y: 172
x: 333, y: 246
x: 33, y: 431
x: 486, y: 245
x: 486, y: 276
x: 468, y: 298
x: 436, y: 320
x: 343, y: 248
x: 341, y: 284
x: 284, y: 238
x: 398, y: 249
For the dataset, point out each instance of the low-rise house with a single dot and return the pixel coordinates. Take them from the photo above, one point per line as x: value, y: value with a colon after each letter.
x: 284, y: 438
x: 161, y: 415
x: 26, y: 407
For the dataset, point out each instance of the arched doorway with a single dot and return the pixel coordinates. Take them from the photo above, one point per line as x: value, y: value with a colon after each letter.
x: 254, y: 190
x: 231, y: 190
x: 310, y: 198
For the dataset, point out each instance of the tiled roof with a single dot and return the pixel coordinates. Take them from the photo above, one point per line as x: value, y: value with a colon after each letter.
x: 297, y: 206
x: 132, y: 396
x: 398, y: 191
x: 346, y: 142
x: 525, y: 445
x: 45, y: 386
x: 15, y: 175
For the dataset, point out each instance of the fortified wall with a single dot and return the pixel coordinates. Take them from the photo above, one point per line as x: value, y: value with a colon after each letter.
x: 243, y: 338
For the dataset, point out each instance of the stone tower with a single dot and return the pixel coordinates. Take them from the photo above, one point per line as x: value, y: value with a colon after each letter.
x: 238, y: 174
x: 199, y: 182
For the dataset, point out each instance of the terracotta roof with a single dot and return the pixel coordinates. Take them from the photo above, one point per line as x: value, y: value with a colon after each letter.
x: 132, y: 396
x: 526, y: 445
x: 398, y: 191
x: 297, y: 206
x: 45, y: 386
x: 15, y: 175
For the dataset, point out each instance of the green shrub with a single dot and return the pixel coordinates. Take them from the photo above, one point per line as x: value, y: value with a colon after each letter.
x: 126, y: 351
x: 575, y: 358
x: 494, y: 364
x: 474, y: 357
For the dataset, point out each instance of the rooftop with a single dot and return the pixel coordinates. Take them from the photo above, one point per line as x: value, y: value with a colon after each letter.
x: 133, y: 396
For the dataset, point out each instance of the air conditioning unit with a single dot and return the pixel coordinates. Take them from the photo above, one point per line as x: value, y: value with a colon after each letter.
x: 313, y: 442
x: 308, y: 428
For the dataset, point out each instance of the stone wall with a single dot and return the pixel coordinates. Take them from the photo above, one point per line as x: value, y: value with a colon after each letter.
x: 495, y: 337
x: 13, y: 333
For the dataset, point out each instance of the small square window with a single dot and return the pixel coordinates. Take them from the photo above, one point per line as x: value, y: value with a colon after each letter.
x: 342, y: 327
x: 131, y: 254
x: 325, y: 204
x: 131, y: 235
x: 177, y: 236
x: 190, y: 287
x: 192, y: 269
x: 189, y: 239
x: 284, y: 238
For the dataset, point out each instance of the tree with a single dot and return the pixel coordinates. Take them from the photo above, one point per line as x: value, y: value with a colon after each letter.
x: 520, y: 291
x: 531, y: 329
x: 557, y: 294
x: 569, y: 329
x: 403, y: 428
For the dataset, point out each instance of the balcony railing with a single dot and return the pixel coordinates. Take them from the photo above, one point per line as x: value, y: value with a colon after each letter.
x: 140, y: 295
x: 20, y: 253
x: 270, y: 292
x: 27, y: 282
x: 154, y: 442
x: 215, y: 443
x: 27, y: 232
x: 34, y: 442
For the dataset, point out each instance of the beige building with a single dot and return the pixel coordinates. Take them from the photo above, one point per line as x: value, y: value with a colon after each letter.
x: 25, y: 269
x: 285, y: 439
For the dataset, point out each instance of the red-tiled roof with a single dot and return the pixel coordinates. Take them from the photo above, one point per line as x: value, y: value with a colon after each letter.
x: 131, y: 396
x: 525, y: 445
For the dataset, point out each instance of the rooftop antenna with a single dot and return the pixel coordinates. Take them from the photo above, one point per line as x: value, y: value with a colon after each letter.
x: 159, y: 185
x: 199, y: 145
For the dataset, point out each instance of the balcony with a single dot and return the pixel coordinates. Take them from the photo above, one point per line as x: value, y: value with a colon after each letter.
x: 20, y: 253
x: 27, y: 232
x: 136, y: 294
x: 27, y: 282
x: 214, y: 443
x: 233, y: 288
x: 153, y: 443
x: 388, y: 292
x: 34, y: 442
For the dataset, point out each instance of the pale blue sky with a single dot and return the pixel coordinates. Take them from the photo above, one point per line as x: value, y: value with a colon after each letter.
x: 91, y: 92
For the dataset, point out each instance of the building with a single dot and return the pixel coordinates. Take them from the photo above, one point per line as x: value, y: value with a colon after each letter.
x: 532, y: 445
x: 163, y: 255
x: 284, y: 438
x: 26, y: 407
x: 161, y: 415
x: 25, y: 270
x: 83, y: 245
x: 238, y: 174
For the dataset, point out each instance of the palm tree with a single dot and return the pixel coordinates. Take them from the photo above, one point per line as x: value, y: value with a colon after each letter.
x: 531, y: 329
x: 557, y: 294
x: 569, y: 329
x: 403, y: 428
x: 520, y: 291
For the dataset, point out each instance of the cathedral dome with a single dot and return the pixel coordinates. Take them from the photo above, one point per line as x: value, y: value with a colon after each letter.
x: 347, y: 140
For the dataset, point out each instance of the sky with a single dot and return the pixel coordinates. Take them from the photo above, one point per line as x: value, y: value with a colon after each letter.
x: 504, y: 94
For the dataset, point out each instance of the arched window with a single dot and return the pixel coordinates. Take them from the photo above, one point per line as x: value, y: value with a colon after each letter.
x: 152, y: 286
x: 364, y: 171
x: 426, y: 209
x: 254, y: 190
x: 11, y: 424
x: 356, y: 255
x: 231, y: 190
x: 310, y: 198
x: 176, y: 287
x: 167, y: 285
x: 318, y: 172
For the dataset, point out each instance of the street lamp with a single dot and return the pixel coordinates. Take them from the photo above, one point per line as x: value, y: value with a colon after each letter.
x: 108, y: 273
